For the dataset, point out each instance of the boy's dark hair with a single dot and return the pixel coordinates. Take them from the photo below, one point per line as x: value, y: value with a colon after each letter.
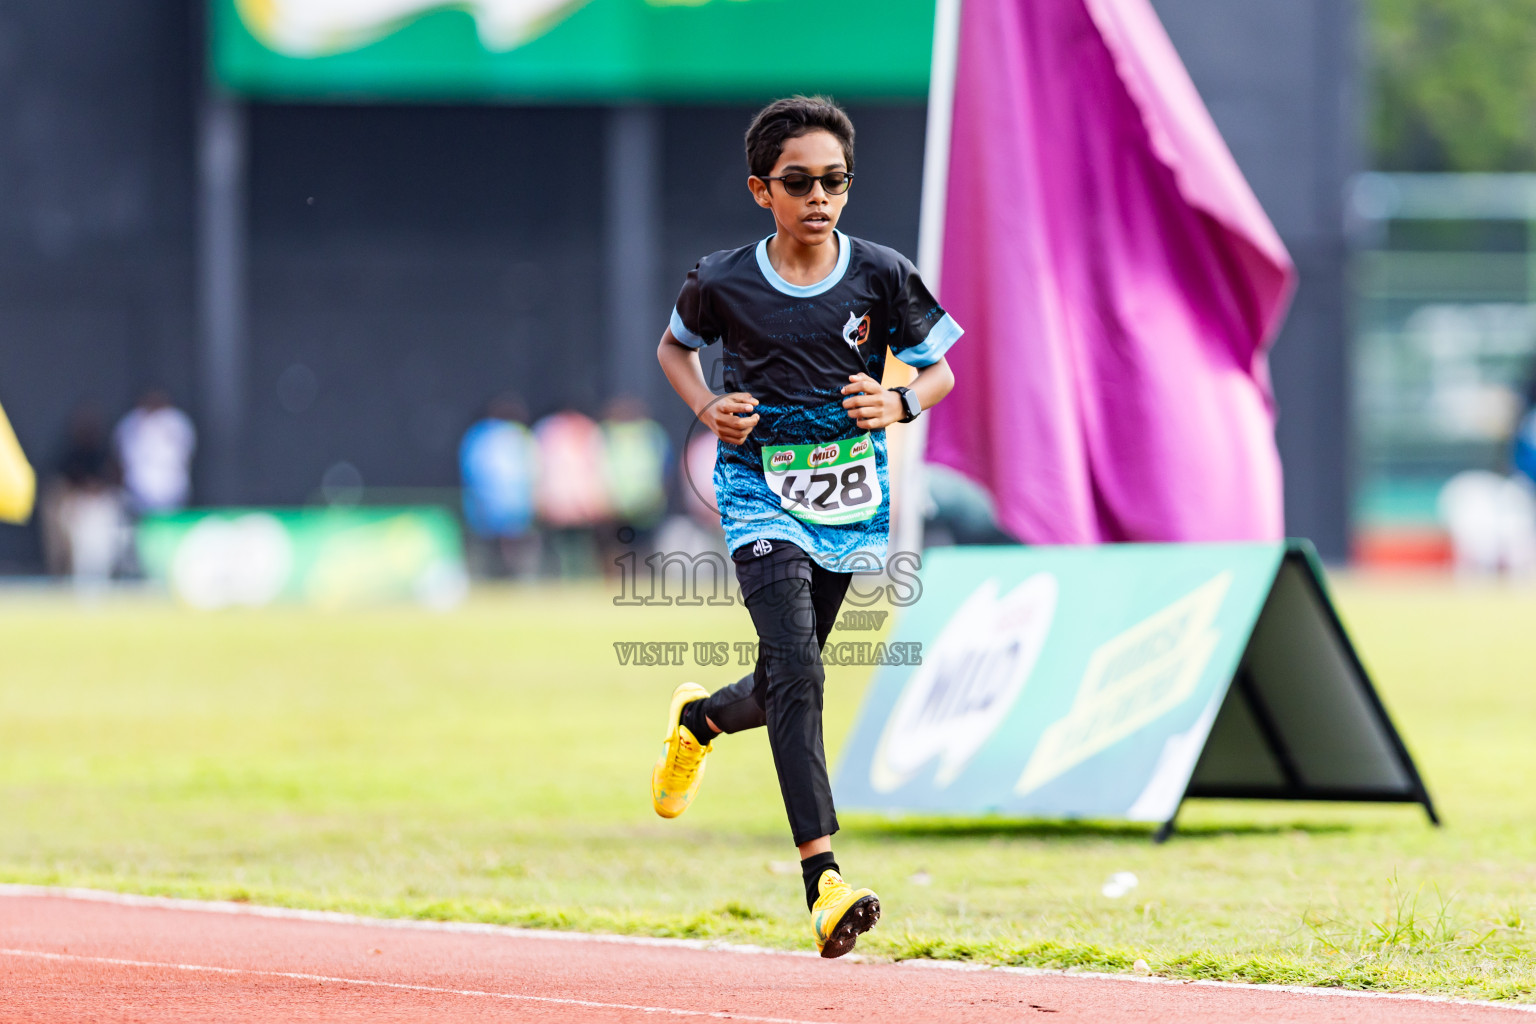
x: 791, y: 118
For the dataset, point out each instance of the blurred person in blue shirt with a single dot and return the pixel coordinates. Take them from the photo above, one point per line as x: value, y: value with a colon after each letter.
x: 499, y: 466
x: 1525, y: 435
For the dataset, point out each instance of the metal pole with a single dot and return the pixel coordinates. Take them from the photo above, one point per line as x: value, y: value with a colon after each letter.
x: 910, y: 477
x: 221, y: 291
x: 633, y: 201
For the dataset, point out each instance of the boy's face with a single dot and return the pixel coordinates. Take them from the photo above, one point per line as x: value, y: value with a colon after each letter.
x: 808, y: 219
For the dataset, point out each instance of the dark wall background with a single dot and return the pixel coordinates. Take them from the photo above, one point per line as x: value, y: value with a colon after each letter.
x: 95, y: 215
x: 409, y: 263
x: 419, y: 261
x: 416, y: 262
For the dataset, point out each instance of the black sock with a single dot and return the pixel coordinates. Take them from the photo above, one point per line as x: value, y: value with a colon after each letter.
x: 693, y: 717
x: 811, y: 869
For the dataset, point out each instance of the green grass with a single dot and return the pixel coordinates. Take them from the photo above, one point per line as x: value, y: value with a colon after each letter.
x: 493, y: 765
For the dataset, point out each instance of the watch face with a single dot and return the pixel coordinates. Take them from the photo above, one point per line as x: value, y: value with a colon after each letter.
x: 909, y: 402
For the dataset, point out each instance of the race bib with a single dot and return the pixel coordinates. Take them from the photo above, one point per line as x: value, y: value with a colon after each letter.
x: 828, y: 484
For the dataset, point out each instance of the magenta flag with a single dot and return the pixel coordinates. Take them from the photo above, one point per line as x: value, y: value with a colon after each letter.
x: 1118, y: 283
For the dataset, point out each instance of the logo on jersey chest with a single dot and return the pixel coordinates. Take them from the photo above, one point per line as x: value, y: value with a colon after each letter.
x: 856, y: 330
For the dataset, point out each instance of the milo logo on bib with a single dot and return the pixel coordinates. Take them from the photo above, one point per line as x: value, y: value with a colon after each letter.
x: 828, y: 484
x: 824, y: 456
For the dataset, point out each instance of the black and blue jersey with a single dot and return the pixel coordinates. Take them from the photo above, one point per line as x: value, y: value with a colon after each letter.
x: 807, y: 474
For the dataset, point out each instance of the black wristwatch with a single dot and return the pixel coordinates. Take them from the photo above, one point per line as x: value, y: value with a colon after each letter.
x: 909, y: 404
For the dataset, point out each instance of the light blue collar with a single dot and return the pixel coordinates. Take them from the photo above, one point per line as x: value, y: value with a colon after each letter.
x: 805, y: 291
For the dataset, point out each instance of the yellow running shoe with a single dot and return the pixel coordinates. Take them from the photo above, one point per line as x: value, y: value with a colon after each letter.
x: 841, y: 914
x: 680, y: 768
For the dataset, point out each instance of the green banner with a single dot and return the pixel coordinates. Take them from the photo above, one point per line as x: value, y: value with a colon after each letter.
x: 1055, y: 681
x: 573, y: 50
x: 330, y: 558
x: 1114, y: 682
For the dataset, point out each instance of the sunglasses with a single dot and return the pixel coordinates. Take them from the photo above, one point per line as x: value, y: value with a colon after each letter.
x: 798, y: 184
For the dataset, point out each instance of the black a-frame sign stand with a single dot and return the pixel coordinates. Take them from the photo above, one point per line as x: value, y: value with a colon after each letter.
x: 1301, y: 720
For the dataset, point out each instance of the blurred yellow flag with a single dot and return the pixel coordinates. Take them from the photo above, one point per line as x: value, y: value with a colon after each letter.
x: 18, y: 484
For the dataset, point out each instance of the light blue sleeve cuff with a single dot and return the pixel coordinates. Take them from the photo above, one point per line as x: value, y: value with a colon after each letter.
x: 944, y: 334
x: 682, y: 333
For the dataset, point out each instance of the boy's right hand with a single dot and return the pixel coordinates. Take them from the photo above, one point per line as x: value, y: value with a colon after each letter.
x: 724, y: 416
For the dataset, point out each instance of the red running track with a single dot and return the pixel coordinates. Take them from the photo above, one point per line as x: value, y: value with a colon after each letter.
x: 71, y: 956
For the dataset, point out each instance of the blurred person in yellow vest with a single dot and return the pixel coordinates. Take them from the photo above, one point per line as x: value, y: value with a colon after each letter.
x: 18, y: 484
x: 636, y: 452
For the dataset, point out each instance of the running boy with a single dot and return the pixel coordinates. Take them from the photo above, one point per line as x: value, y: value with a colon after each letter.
x: 805, y: 317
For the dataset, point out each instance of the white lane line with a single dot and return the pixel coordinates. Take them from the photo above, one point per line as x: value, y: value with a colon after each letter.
x: 299, y: 976
x: 123, y: 899
x: 1299, y: 990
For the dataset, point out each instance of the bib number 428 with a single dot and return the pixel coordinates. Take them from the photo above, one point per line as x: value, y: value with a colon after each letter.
x: 827, y: 484
x: 828, y: 491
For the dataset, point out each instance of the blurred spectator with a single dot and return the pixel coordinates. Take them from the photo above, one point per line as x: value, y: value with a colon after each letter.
x: 1525, y: 435
x: 960, y: 510
x: 155, y: 442
x: 499, y: 463
x: 698, y: 530
x: 698, y: 481
x: 635, y: 456
x: 1492, y: 523
x: 571, y: 495
x: 83, y: 524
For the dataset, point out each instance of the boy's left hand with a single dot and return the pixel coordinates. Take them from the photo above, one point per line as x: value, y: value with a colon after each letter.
x: 869, y: 405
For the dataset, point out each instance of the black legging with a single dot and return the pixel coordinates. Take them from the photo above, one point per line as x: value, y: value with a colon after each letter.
x: 784, y: 692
